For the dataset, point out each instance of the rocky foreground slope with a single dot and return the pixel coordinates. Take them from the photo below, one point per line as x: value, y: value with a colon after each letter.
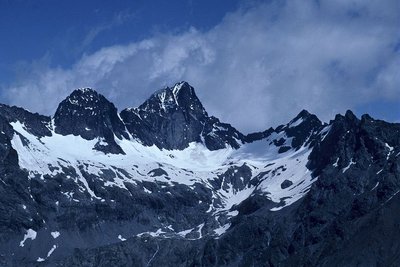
x: 165, y: 184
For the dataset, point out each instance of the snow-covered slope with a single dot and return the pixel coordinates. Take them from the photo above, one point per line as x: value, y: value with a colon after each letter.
x: 219, y: 181
x: 45, y: 157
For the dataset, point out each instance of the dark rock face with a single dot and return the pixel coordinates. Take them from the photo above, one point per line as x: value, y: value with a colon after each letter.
x: 286, y: 184
x: 36, y: 124
x: 307, y: 127
x: 14, y: 186
x: 252, y: 137
x: 174, y: 117
x: 159, y: 214
x: 90, y: 115
x: 303, y: 130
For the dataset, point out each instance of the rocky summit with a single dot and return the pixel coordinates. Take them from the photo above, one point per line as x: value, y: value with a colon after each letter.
x: 166, y: 184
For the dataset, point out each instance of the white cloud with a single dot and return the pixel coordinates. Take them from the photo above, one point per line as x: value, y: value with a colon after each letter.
x: 259, y: 67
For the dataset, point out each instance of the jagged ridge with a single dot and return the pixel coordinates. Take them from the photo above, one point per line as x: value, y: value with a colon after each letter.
x: 296, y: 195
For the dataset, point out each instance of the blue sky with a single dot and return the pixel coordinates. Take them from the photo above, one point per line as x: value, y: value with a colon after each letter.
x: 265, y: 60
x: 62, y: 31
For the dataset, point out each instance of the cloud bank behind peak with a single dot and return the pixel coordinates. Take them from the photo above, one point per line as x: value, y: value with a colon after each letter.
x: 257, y: 68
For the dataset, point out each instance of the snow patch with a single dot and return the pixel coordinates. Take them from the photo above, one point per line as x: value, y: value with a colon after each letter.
x: 390, y: 147
x: 121, y: 238
x: 185, y: 232
x: 51, y: 250
x: 30, y: 234
x: 290, y: 167
x: 199, y: 230
x: 325, y: 131
x: 222, y: 229
x: 296, y: 122
x: 153, y: 234
x: 147, y: 190
x: 55, y: 234
x: 348, y: 166
x: 375, y: 186
x: 336, y: 163
x: 390, y: 150
x: 232, y: 213
x: 232, y: 198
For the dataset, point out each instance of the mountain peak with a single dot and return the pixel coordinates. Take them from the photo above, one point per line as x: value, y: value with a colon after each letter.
x: 90, y: 115
x: 182, y: 88
x: 86, y: 90
x: 85, y: 96
x: 303, y: 129
x: 169, y: 100
x: 367, y: 117
x: 304, y: 113
x: 82, y: 102
x: 350, y: 116
x: 174, y: 117
x: 303, y: 116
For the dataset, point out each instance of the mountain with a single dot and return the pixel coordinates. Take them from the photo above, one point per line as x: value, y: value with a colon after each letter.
x: 87, y: 114
x: 165, y: 184
x: 172, y: 118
